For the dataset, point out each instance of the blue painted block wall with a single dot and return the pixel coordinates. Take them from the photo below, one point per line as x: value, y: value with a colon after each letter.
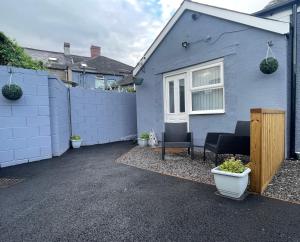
x: 103, y: 116
x: 25, y: 134
x: 59, y: 116
x: 245, y: 86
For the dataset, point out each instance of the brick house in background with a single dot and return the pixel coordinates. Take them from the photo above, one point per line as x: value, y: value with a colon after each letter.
x: 96, y: 71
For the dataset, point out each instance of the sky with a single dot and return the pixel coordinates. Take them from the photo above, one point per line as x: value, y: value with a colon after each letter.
x: 123, y: 28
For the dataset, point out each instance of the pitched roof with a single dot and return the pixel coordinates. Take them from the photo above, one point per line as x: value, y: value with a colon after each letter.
x: 274, y: 5
x: 100, y: 64
x: 127, y: 80
x: 234, y: 16
x: 107, y: 65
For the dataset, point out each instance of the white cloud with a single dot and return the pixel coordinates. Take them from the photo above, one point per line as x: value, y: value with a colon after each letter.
x: 123, y: 28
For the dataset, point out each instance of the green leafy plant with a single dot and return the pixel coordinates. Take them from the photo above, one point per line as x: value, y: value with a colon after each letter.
x: 269, y: 65
x: 233, y: 165
x: 12, y: 91
x: 130, y: 89
x: 14, y: 55
x: 144, y: 135
x: 75, y: 137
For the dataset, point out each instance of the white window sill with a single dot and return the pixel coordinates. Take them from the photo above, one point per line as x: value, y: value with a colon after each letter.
x: 207, y: 112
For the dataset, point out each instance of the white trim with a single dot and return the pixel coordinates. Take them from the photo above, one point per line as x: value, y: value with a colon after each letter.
x: 177, y: 116
x: 204, y: 66
x: 187, y: 72
x: 261, y: 23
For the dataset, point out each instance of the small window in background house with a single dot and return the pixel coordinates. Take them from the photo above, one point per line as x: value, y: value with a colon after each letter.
x: 100, y: 82
x: 111, y: 84
x: 52, y: 59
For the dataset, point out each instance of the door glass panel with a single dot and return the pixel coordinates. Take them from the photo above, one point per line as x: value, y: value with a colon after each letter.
x: 171, y: 97
x: 181, y: 96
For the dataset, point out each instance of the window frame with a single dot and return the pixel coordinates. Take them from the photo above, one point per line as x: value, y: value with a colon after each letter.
x: 99, y: 78
x: 217, y: 63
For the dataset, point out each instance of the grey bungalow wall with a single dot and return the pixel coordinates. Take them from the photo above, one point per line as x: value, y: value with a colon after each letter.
x: 245, y: 86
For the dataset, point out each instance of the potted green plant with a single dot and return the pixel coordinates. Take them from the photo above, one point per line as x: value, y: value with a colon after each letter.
x: 143, y: 140
x: 231, y: 178
x: 76, y: 141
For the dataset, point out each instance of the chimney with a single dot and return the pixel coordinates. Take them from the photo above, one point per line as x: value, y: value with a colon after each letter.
x: 95, y: 51
x: 67, y: 48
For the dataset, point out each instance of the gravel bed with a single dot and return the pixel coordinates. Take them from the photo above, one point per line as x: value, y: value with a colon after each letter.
x: 286, y: 183
x: 284, y: 186
x: 179, y: 165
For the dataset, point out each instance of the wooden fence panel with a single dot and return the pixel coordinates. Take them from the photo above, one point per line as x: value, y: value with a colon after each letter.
x: 267, y: 149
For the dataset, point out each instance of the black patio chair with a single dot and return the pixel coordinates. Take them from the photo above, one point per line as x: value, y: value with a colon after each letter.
x: 176, y: 136
x: 229, y: 143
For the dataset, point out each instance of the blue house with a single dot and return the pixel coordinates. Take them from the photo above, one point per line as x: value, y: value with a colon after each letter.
x: 204, y: 69
x: 94, y: 72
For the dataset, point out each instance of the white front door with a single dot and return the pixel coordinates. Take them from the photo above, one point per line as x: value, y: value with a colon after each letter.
x: 175, y: 98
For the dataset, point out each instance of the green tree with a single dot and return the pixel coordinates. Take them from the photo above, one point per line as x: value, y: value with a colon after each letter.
x: 13, y: 55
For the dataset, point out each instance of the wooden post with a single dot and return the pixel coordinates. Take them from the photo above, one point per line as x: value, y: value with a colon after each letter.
x: 267, y: 146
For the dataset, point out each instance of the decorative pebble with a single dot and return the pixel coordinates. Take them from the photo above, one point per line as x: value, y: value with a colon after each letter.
x: 284, y: 185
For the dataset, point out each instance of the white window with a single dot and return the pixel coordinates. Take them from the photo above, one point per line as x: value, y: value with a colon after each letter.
x: 207, y: 89
x: 100, y: 82
x: 194, y: 90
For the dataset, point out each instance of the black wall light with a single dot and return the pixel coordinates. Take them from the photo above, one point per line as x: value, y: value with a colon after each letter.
x: 185, y: 44
x: 195, y: 16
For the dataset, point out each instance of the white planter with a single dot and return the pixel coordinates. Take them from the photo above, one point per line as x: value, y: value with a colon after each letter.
x: 143, y: 142
x: 76, y: 143
x: 231, y: 184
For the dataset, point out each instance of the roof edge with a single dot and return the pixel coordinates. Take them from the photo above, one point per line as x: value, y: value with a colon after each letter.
x: 275, y: 7
x: 243, y: 18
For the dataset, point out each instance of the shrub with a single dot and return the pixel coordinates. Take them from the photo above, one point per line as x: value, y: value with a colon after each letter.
x: 13, y: 55
x: 232, y: 165
x: 130, y: 89
x: 144, y: 135
x: 75, y: 137
x: 269, y: 65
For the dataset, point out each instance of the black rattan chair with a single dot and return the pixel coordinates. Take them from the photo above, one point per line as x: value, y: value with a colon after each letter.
x: 176, y: 136
x: 229, y: 143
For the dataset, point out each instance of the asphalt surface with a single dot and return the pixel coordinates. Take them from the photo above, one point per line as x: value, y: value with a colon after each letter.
x: 85, y: 196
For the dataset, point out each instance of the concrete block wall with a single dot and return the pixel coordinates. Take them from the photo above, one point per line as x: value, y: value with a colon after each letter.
x: 25, y: 133
x: 59, y: 116
x: 103, y: 116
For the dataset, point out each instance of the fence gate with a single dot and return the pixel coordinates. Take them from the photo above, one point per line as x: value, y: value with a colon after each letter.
x: 267, y: 146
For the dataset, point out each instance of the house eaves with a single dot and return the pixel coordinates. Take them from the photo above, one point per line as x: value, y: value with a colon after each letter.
x: 234, y: 16
x: 276, y: 7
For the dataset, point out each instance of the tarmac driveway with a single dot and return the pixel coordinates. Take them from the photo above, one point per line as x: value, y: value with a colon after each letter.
x: 85, y: 196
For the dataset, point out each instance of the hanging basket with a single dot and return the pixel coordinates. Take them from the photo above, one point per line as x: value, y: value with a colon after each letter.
x: 269, y: 65
x: 12, y: 91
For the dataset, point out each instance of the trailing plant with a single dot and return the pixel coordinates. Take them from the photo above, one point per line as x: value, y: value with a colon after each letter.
x: 144, y: 135
x: 13, y: 55
x: 75, y: 137
x: 232, y: 165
